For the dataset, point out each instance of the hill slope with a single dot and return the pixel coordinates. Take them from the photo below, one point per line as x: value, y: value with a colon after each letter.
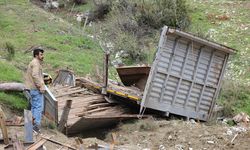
x: 23, y: 26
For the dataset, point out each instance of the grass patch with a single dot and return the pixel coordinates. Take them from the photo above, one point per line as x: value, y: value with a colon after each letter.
x: 24, y: 25
x: 226, y: 22
x: 235, y: 98
x: 35, y: 27
x: 14, y: 100
x: 9, y: 72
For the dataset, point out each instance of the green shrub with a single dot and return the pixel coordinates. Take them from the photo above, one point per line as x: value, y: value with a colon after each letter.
x: 158, y: 13
x: 131, y: 26
x: 235, y: 97
x: 10, y: 50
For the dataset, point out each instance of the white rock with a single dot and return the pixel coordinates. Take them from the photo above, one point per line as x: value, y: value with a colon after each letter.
x: 210, y: 142
x: 238, y: 129
x: 170, y: 137
x: 162, y: 147
x: 229, y: 132
x: 109, y: 45
x: 192, y: 121
x: 179, y: 147
x: 54, y: 4
x: 117, y: 62
x: 78, y: 18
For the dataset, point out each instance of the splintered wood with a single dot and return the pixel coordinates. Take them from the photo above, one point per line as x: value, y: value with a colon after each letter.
x: 87, y: 107
x: 128, y: 92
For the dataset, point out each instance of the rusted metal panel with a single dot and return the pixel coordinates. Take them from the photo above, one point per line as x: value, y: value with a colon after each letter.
x: 185, y: 76
x: 134, y: 75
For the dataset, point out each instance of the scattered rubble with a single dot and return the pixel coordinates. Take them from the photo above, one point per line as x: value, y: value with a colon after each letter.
x: 50, y: 4
x: 241, y: 118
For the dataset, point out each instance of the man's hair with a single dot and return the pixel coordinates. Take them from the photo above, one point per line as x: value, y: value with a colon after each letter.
x: 36, y: 51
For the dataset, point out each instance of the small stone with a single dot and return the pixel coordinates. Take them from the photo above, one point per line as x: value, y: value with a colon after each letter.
x: 179, y: 147
x: 210, y: 142
x: 192, y: 121
x: 170, y: 137
x: 162, y: 147
x: 229, y: 132
x: 190, y: 148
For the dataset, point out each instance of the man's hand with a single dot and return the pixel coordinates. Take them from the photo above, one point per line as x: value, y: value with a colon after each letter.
x: 42, y: 91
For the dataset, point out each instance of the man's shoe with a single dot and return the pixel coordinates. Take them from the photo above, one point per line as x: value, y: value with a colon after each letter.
x: 36, y: 129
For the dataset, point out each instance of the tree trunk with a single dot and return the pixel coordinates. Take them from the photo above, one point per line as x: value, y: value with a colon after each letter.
x: 12, y: 87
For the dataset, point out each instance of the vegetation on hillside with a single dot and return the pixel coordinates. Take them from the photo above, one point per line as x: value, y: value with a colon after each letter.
x: 131, y: 29
x: 227, y: 22
x: 23, y: 26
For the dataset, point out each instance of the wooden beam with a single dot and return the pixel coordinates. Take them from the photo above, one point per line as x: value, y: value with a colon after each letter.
x: 3, y: 127
x: 71, y: 92
x: 115, y: 116
x: 18, y: 145
x: 37, y: 144
x: 105, y: 78
x: 59, y: 143
x: 94, y: 106
x: 92, y: 111
x: 65, y: 115
x: 28, y: 127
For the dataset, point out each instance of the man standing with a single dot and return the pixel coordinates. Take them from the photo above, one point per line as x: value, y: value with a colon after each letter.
x: 35, y: 84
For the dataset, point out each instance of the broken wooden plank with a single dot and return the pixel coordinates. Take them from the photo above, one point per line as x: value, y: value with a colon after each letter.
x: 113, y: 116
x: 58, y: 143
x: 13, y: 124
x: 11, y: 146
x: 71, y: 92
x: 65, y: 115
x: 105, y: 79
x: 3, y: 127
x: 28, y: 127
x: 92, y: 111
x: 39, y: 143
x: 94, y: 106
x: 18, y: 145
x: 91, y: 85
x: 64, y: 90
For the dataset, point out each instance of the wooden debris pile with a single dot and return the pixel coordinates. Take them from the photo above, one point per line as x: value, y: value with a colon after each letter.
x: 88, y: 109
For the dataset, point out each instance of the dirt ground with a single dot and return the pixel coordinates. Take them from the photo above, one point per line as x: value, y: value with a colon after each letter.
x: 181, y: 135
x: 152, y: 134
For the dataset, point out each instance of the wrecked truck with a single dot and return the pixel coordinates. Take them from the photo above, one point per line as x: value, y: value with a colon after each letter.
x: 185, y: 77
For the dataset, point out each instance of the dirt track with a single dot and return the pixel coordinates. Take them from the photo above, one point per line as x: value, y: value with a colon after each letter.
x: 178, y: 135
